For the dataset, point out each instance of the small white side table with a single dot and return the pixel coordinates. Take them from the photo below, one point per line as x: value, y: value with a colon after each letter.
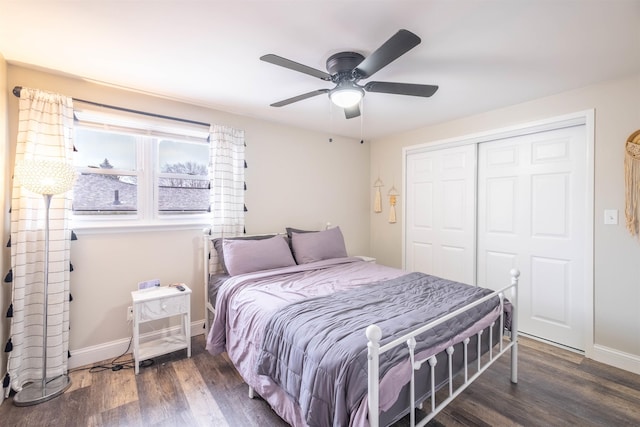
x: 160, y: 303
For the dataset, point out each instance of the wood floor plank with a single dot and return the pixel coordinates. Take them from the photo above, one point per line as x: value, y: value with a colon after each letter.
x: 124, y: 415
x: 160, y: 394
x: 555, y: 388
x: 203, y: 406
x: 80, y: 379
x: 552, y: 350
x: 113, y: 390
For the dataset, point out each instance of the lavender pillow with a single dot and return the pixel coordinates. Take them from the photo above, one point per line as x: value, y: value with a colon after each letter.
x: 247, y: 256
x: 217, y: 245
x: 310, y: 247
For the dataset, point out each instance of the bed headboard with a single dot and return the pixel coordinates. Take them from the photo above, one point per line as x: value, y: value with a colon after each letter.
x: 211, y: 265
x: 211, y: 262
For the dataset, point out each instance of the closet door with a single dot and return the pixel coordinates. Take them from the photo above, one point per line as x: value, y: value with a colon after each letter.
x: 440, y: 212
x: 531, y: 215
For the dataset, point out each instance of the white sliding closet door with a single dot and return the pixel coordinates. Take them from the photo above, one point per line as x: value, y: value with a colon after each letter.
x: 440, y: 212
x: 532, y: 194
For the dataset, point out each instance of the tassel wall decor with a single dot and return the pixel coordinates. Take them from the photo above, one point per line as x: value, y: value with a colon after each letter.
x: 377, y: 201
x: 393, y: 198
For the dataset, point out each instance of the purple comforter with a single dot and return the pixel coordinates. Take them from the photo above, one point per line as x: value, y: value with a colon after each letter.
x: 245, y: 302
x: 316, y: 349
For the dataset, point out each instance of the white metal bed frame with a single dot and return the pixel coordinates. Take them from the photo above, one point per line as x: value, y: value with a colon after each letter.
x: 374, y: 334
x: 209, y: 266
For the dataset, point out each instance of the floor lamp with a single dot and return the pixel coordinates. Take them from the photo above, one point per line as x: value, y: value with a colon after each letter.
x: 46, y: 177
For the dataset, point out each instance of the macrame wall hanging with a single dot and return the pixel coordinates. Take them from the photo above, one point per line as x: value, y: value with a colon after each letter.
x: 632, y: 183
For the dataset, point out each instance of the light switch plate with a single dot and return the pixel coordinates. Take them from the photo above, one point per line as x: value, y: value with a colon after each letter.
x: 611, y: 216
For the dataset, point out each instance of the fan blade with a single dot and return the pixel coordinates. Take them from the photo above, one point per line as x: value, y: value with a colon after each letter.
x: 292, y: 65
x: 299, y: 98
x: 399, y: 44
x: 401, y: 88
x: 352, y: 112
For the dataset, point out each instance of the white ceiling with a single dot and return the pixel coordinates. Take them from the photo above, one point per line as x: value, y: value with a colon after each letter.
x: 484, y: 54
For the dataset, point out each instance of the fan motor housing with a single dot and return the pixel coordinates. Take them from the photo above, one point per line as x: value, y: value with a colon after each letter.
x: 343, y: 62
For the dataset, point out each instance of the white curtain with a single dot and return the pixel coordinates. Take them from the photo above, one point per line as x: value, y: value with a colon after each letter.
x: 45, y: 132
x: 226, y: 169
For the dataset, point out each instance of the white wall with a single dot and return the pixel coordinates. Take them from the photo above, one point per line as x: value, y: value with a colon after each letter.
x: 294, y: 177
x: 616, y: 253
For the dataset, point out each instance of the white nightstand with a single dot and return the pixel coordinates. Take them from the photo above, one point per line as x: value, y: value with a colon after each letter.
x: 160, y: 303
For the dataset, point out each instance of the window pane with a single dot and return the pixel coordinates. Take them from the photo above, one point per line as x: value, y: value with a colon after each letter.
x: 189, y: 158
x: 183, y: 183
x: 183, y: 195
x: 106, y: 150
x: 99, y: 194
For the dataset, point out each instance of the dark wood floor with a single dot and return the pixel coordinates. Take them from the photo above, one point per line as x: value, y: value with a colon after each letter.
x: 555, y: 388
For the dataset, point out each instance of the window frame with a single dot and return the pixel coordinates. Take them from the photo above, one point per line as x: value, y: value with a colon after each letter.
x: 148, y: 135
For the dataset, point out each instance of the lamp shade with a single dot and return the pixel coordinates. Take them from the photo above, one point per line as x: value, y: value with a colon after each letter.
x: 45, y: 176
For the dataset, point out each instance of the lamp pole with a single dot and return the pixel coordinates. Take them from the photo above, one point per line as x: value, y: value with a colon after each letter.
x: 45, y: 338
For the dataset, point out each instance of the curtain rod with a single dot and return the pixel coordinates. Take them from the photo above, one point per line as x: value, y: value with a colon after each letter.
x: 17, y: 89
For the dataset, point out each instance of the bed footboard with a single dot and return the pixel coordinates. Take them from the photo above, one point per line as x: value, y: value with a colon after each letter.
x: 374, y: 334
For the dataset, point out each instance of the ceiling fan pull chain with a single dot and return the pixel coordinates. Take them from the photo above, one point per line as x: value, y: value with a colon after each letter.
x: 361, y: 122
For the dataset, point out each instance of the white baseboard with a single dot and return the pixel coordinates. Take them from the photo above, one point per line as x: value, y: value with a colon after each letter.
x: 619, y: 359
x: 109, y: 350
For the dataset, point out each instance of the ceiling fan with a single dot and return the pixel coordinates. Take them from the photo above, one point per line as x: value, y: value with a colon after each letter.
x: 346, y: 69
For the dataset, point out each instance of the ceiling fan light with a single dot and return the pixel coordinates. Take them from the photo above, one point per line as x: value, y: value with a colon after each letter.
x: 346, y: 97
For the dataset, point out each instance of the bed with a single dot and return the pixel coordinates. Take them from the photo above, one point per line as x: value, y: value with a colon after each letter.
x: 328, y: 339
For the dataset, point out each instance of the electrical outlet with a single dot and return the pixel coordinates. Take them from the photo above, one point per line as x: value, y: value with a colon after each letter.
x: 129, y: 313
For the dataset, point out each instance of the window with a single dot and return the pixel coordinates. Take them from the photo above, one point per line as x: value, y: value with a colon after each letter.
x: 139, y: 172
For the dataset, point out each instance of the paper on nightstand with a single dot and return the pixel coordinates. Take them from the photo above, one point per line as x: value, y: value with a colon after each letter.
x: 149, y: 284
